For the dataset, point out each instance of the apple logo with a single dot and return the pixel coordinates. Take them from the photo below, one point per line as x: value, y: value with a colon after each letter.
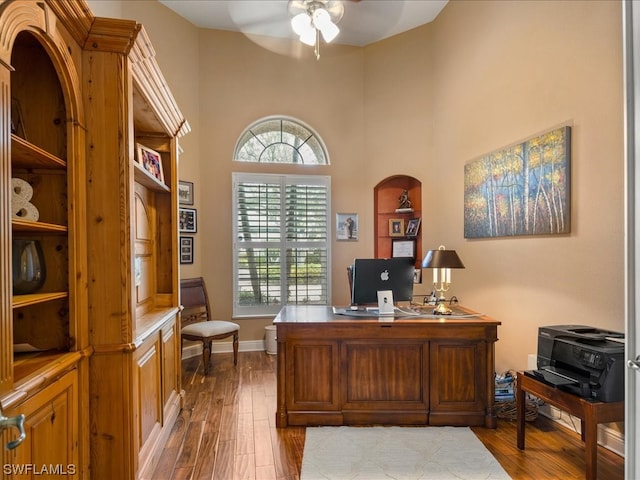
x: 384, y: 276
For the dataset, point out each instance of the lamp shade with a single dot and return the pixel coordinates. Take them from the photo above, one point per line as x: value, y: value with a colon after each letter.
x: 442, y: 258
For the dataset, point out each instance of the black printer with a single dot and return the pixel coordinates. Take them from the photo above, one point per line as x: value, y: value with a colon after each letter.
x: 583, y: 360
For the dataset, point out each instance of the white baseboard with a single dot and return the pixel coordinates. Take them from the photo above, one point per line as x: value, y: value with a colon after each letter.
x: 607, y: 437
x: 224, y: 347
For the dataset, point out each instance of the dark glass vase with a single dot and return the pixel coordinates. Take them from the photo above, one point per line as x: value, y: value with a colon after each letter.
x: 29, y: 271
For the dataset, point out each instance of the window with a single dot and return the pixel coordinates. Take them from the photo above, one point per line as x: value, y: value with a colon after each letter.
x: 281, y: 140
x: 281, y: 242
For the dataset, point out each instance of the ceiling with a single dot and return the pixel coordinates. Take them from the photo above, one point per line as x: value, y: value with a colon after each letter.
x: 364, y: 21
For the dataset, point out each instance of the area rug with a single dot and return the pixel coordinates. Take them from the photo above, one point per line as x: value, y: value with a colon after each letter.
x: 398, y: 453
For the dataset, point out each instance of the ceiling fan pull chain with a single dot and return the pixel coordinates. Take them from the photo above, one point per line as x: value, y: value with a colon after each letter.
x: 317, y: 46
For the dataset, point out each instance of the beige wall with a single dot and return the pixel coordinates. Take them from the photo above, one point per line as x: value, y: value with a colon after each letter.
x: 503, y: 72
x: 482, y: 76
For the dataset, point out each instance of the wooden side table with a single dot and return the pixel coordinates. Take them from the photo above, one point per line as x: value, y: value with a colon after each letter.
x: 591, y: 413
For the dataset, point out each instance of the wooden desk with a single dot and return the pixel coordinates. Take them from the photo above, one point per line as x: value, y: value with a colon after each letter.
x: 343, y: 370
x: 591, y: 414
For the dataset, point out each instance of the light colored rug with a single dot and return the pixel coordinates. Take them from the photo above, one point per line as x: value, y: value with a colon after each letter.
x: 397, y: 453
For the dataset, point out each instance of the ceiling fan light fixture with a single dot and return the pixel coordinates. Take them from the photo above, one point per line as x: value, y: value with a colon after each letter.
x: 310, y: 18
x: 320, y: 18
x: 301, y: 23
x: 308, y: 37
x: 329, y: 31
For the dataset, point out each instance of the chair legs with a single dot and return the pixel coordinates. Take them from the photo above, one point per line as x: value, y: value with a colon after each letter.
x: 206, y: 355
x: 206, y: 349
x: 235, y: 348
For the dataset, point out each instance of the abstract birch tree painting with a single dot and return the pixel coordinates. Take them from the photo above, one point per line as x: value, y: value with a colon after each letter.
x: 520, y: 190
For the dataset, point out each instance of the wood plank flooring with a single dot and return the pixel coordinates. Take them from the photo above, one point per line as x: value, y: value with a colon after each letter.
x: 226, y: 431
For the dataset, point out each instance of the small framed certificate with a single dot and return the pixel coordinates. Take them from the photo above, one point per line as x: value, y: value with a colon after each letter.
x: 403, y: 248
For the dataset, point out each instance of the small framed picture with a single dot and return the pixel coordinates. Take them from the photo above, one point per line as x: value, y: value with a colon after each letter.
x: 413, y: 226
x: 403, y: 248
x: 347, y: 226
x: 417, y: 275
x: 396, y: 227
x: 186, y: 250
x: 151, y: 161
x: 185, y: 193
x: 187, y: 220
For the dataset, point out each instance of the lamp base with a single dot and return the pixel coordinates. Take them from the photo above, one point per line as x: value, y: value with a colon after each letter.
x: 442, y: 309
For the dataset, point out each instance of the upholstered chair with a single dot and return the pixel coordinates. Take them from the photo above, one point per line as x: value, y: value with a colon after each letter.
x: 197, y: 324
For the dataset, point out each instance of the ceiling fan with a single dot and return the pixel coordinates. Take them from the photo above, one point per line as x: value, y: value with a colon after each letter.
x: 311, y: 19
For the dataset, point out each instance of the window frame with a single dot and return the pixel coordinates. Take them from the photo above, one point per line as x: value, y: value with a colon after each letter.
x: 284, y: 180
x: 310, y: 135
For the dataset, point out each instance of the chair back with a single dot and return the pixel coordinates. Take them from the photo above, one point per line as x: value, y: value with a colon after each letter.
x: 350, y: 277
x: 195, y: 301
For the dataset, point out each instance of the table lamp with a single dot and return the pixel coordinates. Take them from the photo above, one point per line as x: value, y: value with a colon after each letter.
x: 442, y: 261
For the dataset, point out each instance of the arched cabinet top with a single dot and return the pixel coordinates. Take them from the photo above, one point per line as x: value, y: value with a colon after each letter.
x: 63, y: 47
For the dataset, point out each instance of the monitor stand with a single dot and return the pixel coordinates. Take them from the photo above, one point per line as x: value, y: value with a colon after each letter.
x: 385, y: 303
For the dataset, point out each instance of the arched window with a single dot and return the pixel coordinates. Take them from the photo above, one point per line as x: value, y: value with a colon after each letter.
x: 280, y: 139
x: 281, y: 222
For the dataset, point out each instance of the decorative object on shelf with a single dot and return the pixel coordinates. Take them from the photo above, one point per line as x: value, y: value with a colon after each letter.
x: 413, y: 226
x: 396, y: 227
x: 523, y: 189
x: 186, y: 250
x: 151, y: 161
x: 442, y: 261
x: 310, y: 18
x: 347, y: 226
x: 417, y: 275
x: 185, y: 192
x: 21, y: 207
x: 403, y: 248
x: 17, y: 120
x: 29, y: 272
x: 404, y: 203
x: 187, y: 220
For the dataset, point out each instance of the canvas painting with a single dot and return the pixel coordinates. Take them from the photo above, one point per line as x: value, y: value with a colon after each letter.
x: 520, y: 190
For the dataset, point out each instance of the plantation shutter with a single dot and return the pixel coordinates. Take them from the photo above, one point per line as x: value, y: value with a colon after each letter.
x: 281, y: 242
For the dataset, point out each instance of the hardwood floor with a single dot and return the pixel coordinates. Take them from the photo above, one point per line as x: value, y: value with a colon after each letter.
x: 227, y: 431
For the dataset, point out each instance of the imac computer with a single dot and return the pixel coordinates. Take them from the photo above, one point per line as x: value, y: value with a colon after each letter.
x: 371, y: 275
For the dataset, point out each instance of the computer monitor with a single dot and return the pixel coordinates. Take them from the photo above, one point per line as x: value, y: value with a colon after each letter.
x: 373, y: 274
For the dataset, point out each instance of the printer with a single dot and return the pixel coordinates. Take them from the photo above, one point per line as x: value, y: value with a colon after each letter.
x: 583, y: 360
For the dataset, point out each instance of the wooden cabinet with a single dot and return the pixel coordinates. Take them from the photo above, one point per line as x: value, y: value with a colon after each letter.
x: 79, y: 94
x: 43, y: 322
x: 386, y: 200
x: 133, y: 250
x: 51, y: 445
x: 338, y: 370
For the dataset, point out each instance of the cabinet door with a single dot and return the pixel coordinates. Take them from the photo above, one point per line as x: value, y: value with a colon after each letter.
x: 148, y: 371
x: 50, y: 449
x: 313, y: 375
x: 386, y: 374
x: 458, y: 389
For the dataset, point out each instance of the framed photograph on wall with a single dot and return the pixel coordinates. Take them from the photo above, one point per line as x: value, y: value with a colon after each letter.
x: 396, y: 227
x: 185, y: 192
x: 403, y: 248
x: 186, y: 250
x: 151, y: 161
x: 347, y: 227
x: 187, y: 220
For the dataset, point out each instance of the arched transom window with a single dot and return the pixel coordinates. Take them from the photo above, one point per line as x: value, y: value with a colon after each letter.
x: 281, y: 140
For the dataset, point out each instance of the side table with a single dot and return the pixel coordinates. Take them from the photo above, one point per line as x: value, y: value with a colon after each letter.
x: 590, y: 412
